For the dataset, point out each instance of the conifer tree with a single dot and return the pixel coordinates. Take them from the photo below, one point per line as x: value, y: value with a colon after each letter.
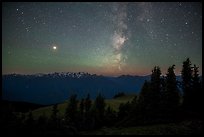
x: 196, y: 89
x: 110, y: 116
x: 71, y: 110
x: 82, y: 106
x: 170, y: 95
x: 155, y: 90
x: 99, y: 110
x: 187, y: 77
x: 87, y: 103
x: 54, y: 113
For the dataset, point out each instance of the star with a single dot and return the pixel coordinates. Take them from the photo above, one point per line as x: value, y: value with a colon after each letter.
x: 27, y: 29
x: 180, y: 4
x: 54, y: 47
x: 162, y: 20
x: 22, y: 21
x: 139, y: 35
x: 74, y: 26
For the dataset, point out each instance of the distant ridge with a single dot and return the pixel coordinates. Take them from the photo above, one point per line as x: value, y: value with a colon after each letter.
x: 72, y: 74
x: 57, y: 87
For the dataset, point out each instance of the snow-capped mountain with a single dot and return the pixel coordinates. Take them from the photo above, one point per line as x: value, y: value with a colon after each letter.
x: 57, y: 87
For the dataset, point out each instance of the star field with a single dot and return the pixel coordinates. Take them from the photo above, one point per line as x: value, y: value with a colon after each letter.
x: 102, y: 38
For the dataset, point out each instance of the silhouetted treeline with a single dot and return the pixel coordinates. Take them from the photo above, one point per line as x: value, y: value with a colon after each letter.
x: 159, y: 101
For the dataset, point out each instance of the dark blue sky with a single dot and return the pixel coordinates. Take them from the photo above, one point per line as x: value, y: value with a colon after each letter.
x: 102, y: 38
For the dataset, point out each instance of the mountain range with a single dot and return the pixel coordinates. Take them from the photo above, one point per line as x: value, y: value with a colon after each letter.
x: 57, y: 87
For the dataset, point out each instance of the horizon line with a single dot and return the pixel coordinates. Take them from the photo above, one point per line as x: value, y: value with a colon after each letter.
x: 74, y: 72
x: 85, y: 73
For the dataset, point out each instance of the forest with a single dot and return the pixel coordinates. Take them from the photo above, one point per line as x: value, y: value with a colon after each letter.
x: 162, y: 101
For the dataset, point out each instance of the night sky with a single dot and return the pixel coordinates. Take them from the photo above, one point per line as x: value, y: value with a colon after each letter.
x: 100, y: 38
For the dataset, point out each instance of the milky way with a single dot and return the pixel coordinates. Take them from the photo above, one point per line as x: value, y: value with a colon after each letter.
x: 102, y: 38
x: 119, y: 36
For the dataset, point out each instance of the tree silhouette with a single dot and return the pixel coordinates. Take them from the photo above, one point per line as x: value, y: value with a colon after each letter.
x: 156, y: 80
x: 144, y: 102
x: 110, y: 116
x: 124, y: 109
x: 71, y: 110
x: 195, y: 79
x: 196, y: 89
x: 153, y: 96
x: 134, y: 104
x: 170, y: 95
x: 99, y: 109
x: 54, y: 121
x: 143, y: 96
x: 87, y: 103
x: 148, y: 104
x: 187, y: 84
x: 54, y: 113
x: 89, y: 115
x: 82, y: 106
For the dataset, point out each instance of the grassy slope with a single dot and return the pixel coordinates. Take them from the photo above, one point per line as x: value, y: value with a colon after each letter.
x: 114, y: 103
x: 182, y: 128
